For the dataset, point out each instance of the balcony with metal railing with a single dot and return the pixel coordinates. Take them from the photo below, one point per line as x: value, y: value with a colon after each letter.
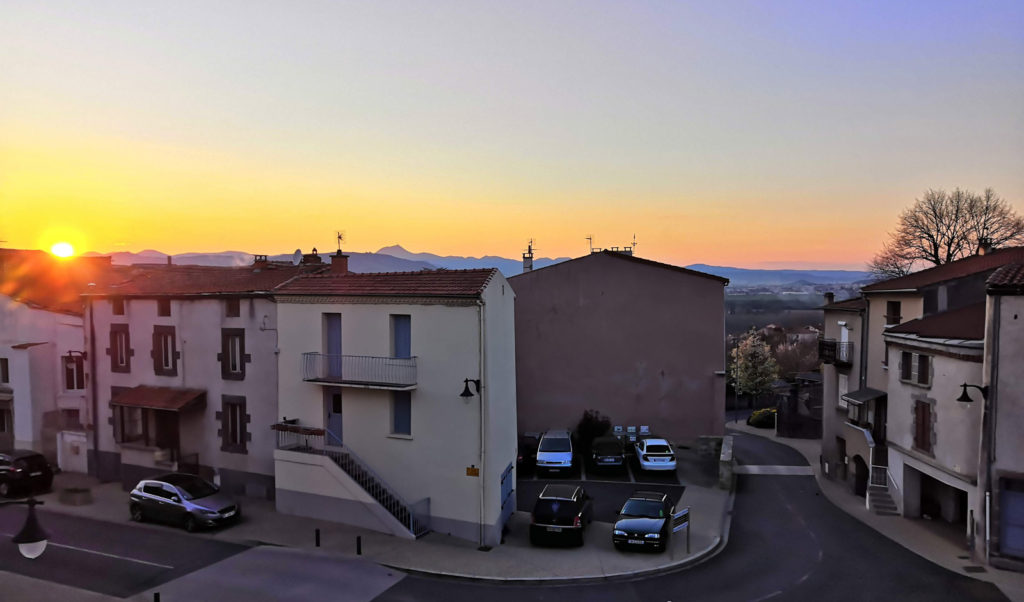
x: 360, y: 371
x: 832, y: 351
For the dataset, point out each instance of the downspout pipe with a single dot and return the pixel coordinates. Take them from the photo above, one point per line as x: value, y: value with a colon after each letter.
x: 90, y: 316
x: 482, y: 323
x: 863, y: 368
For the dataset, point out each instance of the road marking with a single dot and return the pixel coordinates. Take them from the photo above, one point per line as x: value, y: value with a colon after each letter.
x: 98, y: 553
x: 786, y: 471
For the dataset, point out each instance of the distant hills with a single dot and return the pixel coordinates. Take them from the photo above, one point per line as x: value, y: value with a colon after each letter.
x: 397, y: 259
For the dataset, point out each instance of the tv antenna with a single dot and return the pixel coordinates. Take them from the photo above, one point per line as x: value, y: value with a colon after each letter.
x: 590, y: 243
x: 634, y: 243
x: 341, y: 238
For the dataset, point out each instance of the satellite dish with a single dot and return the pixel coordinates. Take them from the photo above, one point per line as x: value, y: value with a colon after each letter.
x: 297, y: 257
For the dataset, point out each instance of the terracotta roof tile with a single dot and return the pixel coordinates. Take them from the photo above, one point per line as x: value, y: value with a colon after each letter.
x: 949, y: 271
x: 1008, y: 279
x: 40, y: 280
x: 426, y: 283
x: 966, y: 323
x: 854, y: 304
x: 149, y: 280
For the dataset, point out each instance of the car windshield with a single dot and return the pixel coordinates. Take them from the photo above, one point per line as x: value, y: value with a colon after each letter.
x: 555, y: 444
x: 644, y: 508
x: 608, y: 448
x: 195, y: 488
x: 659, y: 449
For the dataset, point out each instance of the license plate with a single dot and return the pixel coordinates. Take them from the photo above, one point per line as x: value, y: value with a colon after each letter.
x: 35, y: 474
x: 635, y: 541
x: 555, y: 529
x: 553, y: 469
x: 229, y: 514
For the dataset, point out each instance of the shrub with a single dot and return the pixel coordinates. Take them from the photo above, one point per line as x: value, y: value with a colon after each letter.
x: 593, y: 424
x: 762, y: 419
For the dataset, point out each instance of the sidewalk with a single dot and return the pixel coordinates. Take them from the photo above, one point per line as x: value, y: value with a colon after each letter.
x: 910, y: 533
x: 437, y: 554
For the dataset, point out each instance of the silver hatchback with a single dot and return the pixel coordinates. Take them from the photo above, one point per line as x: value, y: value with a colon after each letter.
x: 182, y: 499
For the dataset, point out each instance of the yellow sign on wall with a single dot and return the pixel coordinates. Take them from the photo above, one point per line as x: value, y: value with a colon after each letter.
x: 472, y: 471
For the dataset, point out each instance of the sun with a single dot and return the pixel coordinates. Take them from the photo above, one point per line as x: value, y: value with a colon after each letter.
x: 63, y: 250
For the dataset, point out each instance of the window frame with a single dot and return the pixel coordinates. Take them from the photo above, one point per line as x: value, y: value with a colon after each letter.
x: 924, y: 427
x: 892, y: 319
x: 74, y: 372
x: 117, y: 305
x: 234, y: 420
x: 232, y: 307
x: 916, y: 369
x: 400, y: 400
x: 163, y: 308
x: 120, y: 350
x: 165, y: 352
x: 229, y: 351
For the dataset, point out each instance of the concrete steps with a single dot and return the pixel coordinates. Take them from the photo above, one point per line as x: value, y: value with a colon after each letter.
x: 881, y: 502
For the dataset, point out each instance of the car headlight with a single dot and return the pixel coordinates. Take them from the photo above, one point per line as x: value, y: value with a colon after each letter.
x: 653, y: 536
x: 618, y: 532
x: 209, y: 512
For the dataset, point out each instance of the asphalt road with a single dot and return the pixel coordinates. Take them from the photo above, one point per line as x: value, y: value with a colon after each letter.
x: 109, y: 558
x: 787, y: 543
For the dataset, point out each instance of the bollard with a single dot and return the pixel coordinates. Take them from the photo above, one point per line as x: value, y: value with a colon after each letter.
x: 359, y: 545
x: 318, y: 538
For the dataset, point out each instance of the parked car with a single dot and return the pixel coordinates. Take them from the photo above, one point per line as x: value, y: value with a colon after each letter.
x: 655, y: 454
x: 182, y: 499
x: 561, y: 513
x: 647, y: 520
x: 24, y: 471
x: 607, y: 452
x: 555, y: 452
x: 526, y: 459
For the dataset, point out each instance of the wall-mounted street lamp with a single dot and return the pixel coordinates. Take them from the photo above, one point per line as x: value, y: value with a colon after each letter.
x: 72, y: 353
x: 965, y: 398
x: 32, y: 538
x: 476, y: 388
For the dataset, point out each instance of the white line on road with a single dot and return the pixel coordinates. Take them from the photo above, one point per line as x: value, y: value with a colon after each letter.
x: 98, y: 553
x: 787, y: 471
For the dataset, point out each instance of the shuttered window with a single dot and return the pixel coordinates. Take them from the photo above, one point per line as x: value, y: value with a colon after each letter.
x: 165, y: 351
x: 923, y: 426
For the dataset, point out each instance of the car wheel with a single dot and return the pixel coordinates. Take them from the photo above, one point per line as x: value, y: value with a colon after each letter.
x: 5, y: 489
x: 136, y: 511
x: 190, y: 524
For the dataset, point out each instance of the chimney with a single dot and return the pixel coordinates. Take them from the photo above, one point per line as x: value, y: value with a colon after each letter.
x: 312, y: 258
x: 339, y: 263
x: 168, y: 260
x: 528, y: 258
x: 985, y: 245
x: 259, y: 260
x: 830, y: 298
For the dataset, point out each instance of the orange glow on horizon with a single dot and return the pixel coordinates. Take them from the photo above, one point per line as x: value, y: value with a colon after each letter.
x: 63, y: 250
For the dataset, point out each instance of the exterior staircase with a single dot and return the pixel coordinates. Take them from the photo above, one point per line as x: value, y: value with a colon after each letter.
x: 298, y: 438
x: 879, y: 499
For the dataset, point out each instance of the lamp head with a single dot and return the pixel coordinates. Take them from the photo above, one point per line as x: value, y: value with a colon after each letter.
x: 465, y: 391
x: 32, y: 538
x: 964, y: 397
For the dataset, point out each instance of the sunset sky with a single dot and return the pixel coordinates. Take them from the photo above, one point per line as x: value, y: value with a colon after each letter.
x: 760, y: 134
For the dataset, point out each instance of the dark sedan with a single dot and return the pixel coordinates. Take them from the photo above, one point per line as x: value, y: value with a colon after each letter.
x: 182, y: 499
x: 607, y: 453
x: 647, y: 520
x: 561, y: 513
x: 24, y: 471
x: 526, y: 459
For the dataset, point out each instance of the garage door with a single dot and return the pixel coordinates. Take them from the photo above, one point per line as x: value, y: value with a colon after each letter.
x: 1011, y: 518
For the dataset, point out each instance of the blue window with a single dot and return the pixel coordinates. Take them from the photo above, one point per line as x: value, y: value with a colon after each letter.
x: 401, y: 335
x: 401, y: 413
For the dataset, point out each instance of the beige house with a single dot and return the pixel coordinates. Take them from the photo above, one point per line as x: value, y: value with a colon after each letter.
x: 396, y: 401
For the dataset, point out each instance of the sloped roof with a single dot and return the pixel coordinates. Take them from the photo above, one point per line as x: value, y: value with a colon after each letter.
x: 149, y: 280
x: 854, y: 304
x: 949, y: 271
x: 1008, y: 279
x: 967, y: 323
x: 160, y: 398
x: 42, y: 281
x: 632, y: 258
x: 426, y: 283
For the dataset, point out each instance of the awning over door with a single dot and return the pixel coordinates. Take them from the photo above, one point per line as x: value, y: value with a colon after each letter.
x: 161, y: 398
x: 864, y: 395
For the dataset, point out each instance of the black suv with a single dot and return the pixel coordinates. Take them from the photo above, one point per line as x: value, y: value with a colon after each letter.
x: 647, y: 520
x: 561, y: 513
x: 607, y: 452
x: 24, y: 471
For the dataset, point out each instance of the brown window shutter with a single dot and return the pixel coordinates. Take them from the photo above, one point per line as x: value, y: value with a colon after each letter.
x: 224, y: 355
x: 113, y: 349
x: 157, y: 354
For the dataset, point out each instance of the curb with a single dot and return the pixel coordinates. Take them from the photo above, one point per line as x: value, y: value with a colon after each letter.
x: 693, y: 560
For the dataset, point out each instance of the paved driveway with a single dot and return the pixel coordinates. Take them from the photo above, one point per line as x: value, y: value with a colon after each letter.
x: 608, y: 496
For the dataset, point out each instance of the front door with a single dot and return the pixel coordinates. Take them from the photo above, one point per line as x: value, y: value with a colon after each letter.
x: 332, y: 341
x: 332, y: 400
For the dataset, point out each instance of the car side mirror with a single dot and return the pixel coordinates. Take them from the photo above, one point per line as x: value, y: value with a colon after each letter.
x: 175, y: 499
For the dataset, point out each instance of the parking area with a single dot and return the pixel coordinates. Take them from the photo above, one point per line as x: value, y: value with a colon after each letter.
x: 608, y: 496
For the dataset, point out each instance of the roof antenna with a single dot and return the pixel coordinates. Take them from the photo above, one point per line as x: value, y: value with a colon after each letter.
x: 590, y: 243
x: 634, y: 243
x: 341, y: 239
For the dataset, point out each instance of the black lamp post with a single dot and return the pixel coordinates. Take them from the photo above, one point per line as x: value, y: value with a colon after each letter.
x: 32, y: 538
x: 965, y: 398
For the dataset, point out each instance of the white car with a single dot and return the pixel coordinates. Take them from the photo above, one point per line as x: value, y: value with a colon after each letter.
x: 554, y: 452
x: 655, y: 454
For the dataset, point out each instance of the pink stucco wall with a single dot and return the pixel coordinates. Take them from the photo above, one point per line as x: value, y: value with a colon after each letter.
x: 639, y: 342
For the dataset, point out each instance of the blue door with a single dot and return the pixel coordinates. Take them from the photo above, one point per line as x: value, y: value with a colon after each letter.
x: 332, y: 400
x: 1011, y: 518
x: 332, y: 328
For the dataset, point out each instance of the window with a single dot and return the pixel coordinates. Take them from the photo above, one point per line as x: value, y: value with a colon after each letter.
x: 120, y: 349
x: 924, y: 437
x: 117, y: 306
x: 74, y: 372
x: 233, y: 431
x: 916, y: 368
x: 232, y: 308
x: 842, y: 389
x: 401, y: 413
x: 857, y: 413
x: 5, y: 371
x: 232, y: 356
x: 401, y: 336
x: 130, y: 424
x: 165, y: 351
x: 163, y: 307
x: 5, y: 421
x: 893, y: 310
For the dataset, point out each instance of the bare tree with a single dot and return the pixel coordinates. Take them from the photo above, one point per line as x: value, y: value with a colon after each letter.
x: 941, y: 227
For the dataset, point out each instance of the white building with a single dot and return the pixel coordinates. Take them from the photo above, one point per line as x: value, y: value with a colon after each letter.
x: 44, y: 381
x: 186, y: 373
x: 374, y: 431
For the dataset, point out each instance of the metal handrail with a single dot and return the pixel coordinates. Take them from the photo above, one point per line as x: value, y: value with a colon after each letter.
x: 359, y: 369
